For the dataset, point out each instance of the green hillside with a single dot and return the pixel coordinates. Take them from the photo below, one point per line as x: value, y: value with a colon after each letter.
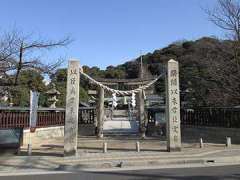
x: 209, y: 73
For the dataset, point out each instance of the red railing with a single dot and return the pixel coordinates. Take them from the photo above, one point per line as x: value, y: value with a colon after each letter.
x: 19, y: 117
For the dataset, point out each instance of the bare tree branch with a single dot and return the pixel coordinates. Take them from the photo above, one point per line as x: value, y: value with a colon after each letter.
x: 226, y: 15
x: 14, y: 55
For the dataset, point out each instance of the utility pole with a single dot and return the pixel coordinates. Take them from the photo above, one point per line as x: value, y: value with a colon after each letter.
x: 141, y: 66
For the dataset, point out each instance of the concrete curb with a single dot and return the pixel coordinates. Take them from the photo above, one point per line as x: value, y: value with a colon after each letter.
x: 121, y: 164
x: 112, y: 161
x: 150, y: 163
x: 110, y: 157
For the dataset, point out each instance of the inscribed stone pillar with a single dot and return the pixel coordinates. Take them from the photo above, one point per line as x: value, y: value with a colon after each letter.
x: 72, y: 105
x: 173, y: 107
x: 141, y: 112
x: 100, y: 112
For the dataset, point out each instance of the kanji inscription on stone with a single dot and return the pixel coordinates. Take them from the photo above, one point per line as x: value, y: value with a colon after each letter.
x: 72, y: 105
x: 173, y: 107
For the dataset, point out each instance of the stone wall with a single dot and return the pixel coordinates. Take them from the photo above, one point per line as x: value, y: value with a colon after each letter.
x: 210, y: 134
x: 58, y: 131
x: 44, y: 133
x: 10, y: 140
x: 193, y: 133
x: 87, y: 130
x: 189, y: 133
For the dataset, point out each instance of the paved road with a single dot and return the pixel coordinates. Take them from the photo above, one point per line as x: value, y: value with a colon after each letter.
x: 214, y: 173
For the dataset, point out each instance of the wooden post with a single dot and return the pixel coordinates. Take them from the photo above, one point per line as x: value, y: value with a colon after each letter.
x: 72, y: 105
x: 100, y: 113
x: 141, y: 112
x: 173, y: 107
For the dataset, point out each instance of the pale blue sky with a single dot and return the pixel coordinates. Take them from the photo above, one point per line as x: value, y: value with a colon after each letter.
x: 109, y: 32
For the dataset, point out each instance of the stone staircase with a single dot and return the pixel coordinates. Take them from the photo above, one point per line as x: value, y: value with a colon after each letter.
x: 120, y: 124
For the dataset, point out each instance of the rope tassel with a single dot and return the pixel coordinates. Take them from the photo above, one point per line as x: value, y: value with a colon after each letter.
x: 114, y: 100
x: 133, y: 100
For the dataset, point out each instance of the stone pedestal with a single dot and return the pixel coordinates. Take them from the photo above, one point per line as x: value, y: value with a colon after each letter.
x: 173, y: 107
x: 72, y: 105
x: 100, y: 113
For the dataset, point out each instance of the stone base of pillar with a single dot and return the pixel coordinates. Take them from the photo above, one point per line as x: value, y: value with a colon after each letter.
x: 142, y: 135
x: 100, y: 136
x: 142, y: 129
x: 176, y: 149
x: 70, y: 153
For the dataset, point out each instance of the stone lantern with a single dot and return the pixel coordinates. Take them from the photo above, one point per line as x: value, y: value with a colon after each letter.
x: 53, y: 93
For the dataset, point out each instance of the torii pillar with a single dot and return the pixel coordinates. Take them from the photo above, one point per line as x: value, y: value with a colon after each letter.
x: 100, y: 112
x: 173, y: 107
x: 141, y: 111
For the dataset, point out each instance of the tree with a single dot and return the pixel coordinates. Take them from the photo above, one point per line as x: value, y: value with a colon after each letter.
x: 28, y: 80
x: 226, y: 71
x: 226, y: 15
x: 114, y: 73
x: 18, y: 53
x: 208, y: 72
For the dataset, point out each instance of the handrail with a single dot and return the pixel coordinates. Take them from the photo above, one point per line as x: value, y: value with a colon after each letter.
x: 41, y: 108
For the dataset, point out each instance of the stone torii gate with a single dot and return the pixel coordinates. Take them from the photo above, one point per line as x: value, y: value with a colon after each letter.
x: 133, y: 83
x: 72, y: 105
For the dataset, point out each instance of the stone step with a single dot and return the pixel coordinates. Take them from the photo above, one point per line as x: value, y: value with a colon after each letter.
x: 121, y: 119
x: 118, y: 113
x: 120, y: 133
x: 120, y: 126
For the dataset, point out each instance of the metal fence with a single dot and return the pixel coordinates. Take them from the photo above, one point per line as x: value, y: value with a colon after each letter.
x: 19, y: 117
x: 205, y: 116
x: 215, y: 117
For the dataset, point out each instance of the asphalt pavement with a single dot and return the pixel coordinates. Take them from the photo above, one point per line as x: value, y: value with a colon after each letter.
x: 209, y: 173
